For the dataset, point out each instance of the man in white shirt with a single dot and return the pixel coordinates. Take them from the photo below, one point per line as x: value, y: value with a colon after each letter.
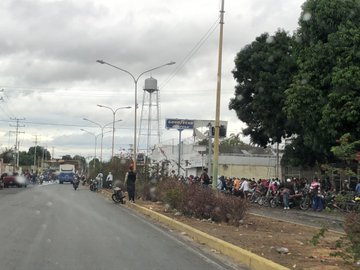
x: 99, y: 178
x: 109, y: 180
x: 244, y: 188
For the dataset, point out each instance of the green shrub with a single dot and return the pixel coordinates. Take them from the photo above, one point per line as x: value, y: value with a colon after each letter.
x: 352, y: 230
x: 143, y: 191
x: 348, y: 246
x: 171, y: 191
x: 232, y: 209
x: 201, y: 202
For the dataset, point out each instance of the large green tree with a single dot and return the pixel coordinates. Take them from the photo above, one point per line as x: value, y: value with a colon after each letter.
x: 318, y: 99
x: 263, y: 71
x: 8, y: 156
x: 324, y: 96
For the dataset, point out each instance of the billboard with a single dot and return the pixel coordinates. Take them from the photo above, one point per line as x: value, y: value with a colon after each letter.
x: 179, y: 123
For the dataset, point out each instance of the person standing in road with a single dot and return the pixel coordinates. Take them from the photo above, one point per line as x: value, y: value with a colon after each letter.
x: 130, y: 180
x: 99, y: 179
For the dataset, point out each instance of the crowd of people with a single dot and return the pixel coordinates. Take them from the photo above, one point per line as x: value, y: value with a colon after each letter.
x: 243, y: 187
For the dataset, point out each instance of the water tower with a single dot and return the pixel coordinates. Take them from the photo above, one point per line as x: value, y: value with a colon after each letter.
x: 149, y: 132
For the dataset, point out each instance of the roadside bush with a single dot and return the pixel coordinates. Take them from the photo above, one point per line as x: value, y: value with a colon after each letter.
x: 144, y: 191
x: 348, y: 246
x: 352, y: 230
x: 230, y: 209
x: 171, y: 191
x: 200, y: 202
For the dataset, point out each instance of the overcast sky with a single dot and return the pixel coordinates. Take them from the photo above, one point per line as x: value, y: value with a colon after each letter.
x: 49, y: 74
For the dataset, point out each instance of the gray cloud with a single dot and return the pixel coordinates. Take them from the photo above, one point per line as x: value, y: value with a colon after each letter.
x: 49, y: 48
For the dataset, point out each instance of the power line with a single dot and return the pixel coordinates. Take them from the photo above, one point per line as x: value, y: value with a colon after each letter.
x: 58, y: 124
x: 192, y: 52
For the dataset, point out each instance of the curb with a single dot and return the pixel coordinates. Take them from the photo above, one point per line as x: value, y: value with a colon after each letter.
x: 249, y: 259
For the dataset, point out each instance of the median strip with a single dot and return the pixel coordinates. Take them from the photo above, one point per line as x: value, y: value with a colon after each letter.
x: 240, y: 255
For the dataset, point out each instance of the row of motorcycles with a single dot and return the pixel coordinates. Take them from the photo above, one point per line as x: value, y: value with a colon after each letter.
x: 271, y: 196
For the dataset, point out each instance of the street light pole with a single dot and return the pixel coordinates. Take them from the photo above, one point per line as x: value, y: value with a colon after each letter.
x: 135, y: 79
x: 102, y: 132
x: 95, y: 137
x: 113, y: 131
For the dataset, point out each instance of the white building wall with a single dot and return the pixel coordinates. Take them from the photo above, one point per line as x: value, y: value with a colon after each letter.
x: 231, y: 165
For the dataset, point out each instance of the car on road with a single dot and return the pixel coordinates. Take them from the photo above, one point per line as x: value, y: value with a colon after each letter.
x: 13, y: 180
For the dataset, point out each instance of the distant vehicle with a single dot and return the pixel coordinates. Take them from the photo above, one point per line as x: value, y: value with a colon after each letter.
x: 67, y: 173
x: 13, y: 180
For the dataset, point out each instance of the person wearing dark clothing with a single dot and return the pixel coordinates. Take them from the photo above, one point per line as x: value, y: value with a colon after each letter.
x: 222, y: 183
x: 288, y: 189
x: 315, y: 189
x: 357, y: 188
x: 205, y: 179
x: 130, y: 183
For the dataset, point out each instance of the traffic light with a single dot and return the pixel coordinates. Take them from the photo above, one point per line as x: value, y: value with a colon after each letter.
x: 222, y: 131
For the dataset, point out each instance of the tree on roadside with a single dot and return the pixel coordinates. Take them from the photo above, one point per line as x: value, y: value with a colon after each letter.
x: 306, y: 85
x: 323, y: 98
x: 8, y: 156
x: 66, y: 157
x: 232, y: 144
x: 263, y: 71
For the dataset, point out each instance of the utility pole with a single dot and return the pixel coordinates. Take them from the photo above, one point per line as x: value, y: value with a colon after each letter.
x: 210, y: 149
x: 16, y: 138
x: 218, y: 95
x: 36, y: 141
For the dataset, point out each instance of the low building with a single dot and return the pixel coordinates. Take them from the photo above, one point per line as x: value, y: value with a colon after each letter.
x: 250, y: 162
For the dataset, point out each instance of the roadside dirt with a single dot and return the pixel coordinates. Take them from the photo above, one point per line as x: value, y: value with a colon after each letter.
x: 263, y: 236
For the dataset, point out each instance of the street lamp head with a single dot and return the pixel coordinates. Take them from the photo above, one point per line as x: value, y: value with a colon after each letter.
x: 171, y: 63
x: 100, y: 61
x: 85, y: 119
x: 99, y: 105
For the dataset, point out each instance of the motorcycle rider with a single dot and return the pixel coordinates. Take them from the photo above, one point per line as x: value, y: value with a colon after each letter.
x: 76, y: 181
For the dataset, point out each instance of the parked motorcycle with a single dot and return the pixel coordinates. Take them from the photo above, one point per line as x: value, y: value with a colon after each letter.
x: 294, y: 199
x: 93, y: 185
x: 305, y: 201
x: 118, y: 195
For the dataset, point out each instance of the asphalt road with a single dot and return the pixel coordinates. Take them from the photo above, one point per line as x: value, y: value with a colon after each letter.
x: 55, y: 227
